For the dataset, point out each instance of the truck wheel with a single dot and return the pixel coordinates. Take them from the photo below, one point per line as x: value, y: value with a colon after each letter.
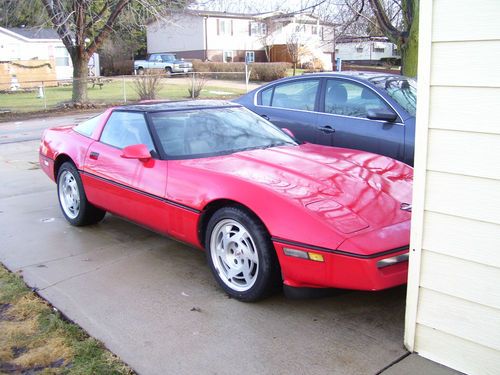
x: 140, y: 71
x: 168, y: 71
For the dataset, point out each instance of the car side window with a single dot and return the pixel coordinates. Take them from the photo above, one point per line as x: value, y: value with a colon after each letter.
x: 299, y: 94
x: 352, y: 99
x: 125, y: 129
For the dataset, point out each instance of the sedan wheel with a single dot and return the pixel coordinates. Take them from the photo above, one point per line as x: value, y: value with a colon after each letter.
x: 241, y: 255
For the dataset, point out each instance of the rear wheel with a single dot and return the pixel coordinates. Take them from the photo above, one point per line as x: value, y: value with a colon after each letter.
x: 76, y: 208
x: 241, y: 255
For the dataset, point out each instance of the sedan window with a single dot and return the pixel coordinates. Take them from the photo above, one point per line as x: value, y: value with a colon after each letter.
x: 351, y: 99
x: 125, y: 129
x: 294, y: 95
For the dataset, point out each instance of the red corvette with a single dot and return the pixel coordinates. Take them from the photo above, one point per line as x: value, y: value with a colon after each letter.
x: 266, y: 208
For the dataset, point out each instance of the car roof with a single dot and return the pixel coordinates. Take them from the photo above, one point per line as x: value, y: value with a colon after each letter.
x: 179, y: 105
x: 359, y: 75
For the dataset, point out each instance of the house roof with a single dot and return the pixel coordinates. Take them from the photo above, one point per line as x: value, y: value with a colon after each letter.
x: 254, y: 16
x: 34, y: 32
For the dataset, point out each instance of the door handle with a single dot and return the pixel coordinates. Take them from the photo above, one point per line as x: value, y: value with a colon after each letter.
x: 327, y: 129
x: 94, y: 155
x: 265, y: 117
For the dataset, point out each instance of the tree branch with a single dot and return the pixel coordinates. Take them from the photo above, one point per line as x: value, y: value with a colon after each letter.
x: 383, y: 22
x: 56, y: 15
x: 107, y: 28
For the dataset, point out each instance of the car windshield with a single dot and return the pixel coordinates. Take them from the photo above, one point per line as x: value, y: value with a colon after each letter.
x: 214, y: 131
x: 401, y: 89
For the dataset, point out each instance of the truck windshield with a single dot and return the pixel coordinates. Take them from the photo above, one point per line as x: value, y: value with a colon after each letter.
x: 168, y: 58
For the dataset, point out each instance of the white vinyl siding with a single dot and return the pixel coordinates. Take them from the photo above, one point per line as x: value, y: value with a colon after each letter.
x: 453, y: 314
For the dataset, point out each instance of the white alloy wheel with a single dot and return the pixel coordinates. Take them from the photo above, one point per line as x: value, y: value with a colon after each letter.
x: 234, y: 255
x: 69, y: 195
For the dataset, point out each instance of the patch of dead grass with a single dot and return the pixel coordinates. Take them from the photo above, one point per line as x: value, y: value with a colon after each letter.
x: 34, y: 338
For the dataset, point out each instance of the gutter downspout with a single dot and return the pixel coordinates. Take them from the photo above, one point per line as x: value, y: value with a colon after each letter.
x: 205, y: 20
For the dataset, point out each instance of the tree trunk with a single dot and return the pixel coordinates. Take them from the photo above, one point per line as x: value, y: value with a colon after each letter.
x: 409, y: 50
x: 80, y: 77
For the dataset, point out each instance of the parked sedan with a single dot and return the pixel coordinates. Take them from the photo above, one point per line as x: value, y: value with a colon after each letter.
x: 265, y: 208
x: 365, y: 111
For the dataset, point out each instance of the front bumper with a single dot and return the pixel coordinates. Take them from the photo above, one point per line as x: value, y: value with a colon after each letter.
x: 182, y: 70
x: 345, y: 271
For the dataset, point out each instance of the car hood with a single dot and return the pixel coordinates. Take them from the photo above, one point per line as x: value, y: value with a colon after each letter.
x: 351, y: 190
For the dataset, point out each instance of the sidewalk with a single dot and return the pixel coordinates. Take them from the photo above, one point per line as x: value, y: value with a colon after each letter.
x: 417, y: 365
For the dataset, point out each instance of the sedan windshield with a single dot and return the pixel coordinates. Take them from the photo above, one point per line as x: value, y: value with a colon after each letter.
x: 401, y: 89
x: 214, y: 131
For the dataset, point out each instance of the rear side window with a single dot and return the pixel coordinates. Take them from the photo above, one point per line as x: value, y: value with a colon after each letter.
x: 87, y: 128
x: 293, y: 95
x: 352, y: 99
x: 125, y: 129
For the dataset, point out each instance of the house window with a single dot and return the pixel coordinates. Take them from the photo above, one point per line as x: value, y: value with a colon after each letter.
x: 300, y: 28
x: 359, y: 49
x: 258, y: 28
x: 223, y: 27
x: 378, y: 47
x: 250, y: 56
x: 314, y: 30
x: 62, y: 56
x: 228, y: 56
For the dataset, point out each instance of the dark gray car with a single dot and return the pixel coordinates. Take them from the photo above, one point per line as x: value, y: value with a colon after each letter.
x: 366, y: 111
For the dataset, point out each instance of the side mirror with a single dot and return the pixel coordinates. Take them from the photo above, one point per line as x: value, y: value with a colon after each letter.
x: 381, y: 114
x: 289, y: 132
x: 139, y: 151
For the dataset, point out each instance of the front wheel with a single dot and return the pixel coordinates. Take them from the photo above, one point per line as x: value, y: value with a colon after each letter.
x: 168, y: 71
x: 241, y: 255
x: 76, y: 208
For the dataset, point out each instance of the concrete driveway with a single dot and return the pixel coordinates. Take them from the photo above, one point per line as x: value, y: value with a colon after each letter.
x: 153, y: 301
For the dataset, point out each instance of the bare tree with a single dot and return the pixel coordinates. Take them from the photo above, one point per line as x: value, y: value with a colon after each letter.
x: 296, y: 50
x: 83, y: 25
x: 403, y: 30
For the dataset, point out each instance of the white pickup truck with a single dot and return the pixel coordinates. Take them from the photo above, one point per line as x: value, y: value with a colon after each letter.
x: 167, y: 62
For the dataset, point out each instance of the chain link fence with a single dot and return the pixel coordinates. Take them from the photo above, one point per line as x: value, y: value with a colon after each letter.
x: 29, y: 96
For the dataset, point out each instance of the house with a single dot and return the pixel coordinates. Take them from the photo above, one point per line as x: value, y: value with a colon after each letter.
x: 234, y: 37
x: 25, y: 44
x: 453, y: 298
x: 365, y: 50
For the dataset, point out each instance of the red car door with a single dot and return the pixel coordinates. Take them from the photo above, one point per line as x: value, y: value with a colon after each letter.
x: 130, y: 188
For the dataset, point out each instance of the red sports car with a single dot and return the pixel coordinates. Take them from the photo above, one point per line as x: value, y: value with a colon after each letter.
x: 266, y: 208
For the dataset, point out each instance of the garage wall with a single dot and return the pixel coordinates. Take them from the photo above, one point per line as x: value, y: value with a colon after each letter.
x: 453, y: 302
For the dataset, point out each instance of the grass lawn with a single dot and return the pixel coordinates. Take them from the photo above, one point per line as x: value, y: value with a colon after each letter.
x: 298, y: 72
x: 111, y: 92
x: 34, y: 338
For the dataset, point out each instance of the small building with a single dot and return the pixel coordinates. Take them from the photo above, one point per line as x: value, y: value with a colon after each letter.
x: 236, y: 37
x: 26, y: 44
x: 453, y: 298
x: 365, y: 50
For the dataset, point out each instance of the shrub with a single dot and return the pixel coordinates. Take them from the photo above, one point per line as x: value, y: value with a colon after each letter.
x: 258, y: 71
x: 148, y: 86
x: 198, y: 82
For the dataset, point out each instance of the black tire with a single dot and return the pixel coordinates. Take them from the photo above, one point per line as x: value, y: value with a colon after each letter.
x: 265, y: 273
x: 86, y: 213
x: 168, y: 71
x: 140, y: 71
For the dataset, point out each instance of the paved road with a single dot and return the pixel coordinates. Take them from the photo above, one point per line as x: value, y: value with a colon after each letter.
x: 153, y: 302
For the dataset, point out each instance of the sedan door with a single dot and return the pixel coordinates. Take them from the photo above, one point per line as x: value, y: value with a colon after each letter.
x: 132, y: 188
x: 292, y: 105
x: 344, y: 107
